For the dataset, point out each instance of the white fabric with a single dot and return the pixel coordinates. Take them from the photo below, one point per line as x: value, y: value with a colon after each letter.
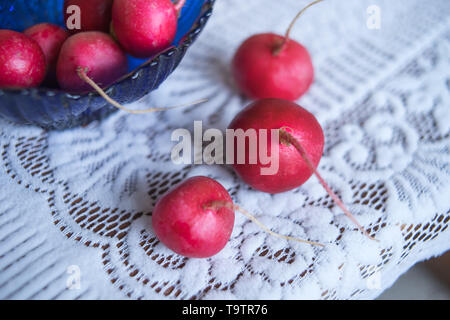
x: 80, y: 200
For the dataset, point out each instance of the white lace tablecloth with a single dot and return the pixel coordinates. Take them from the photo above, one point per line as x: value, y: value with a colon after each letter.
x: 75, y: 205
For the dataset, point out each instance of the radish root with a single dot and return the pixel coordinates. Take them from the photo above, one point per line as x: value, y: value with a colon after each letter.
x: 221, y: 204
x: 280, y: 48
x: 82, y: 74
x: 179, y: 5
x: 286, y: 136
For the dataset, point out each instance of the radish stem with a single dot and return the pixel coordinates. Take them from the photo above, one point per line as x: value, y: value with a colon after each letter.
x: 179, y: 5
x: 82, y: 74
x: 286, y: 136
x: 225, y: 204
x: 281, y: 47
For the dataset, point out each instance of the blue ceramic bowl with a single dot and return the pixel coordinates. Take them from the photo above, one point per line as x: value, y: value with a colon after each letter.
x: 56, y: 109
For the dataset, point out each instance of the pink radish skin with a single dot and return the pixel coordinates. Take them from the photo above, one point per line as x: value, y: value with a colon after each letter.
x: 260, y: 72
x: 95, y: 52
x: 293, y: 170
x: 22, y: 62
x: 95, y: 14
x: 183, y: 222
x: 50, y: 38
x: 145, y: 27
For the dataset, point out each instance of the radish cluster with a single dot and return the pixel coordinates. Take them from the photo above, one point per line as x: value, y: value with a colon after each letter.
x: 97, y: 44
x: 195, y: 218
x: 189, y: 218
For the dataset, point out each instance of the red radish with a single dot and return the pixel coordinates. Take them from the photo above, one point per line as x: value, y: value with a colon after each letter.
x: 196, y: 217
x: 183, y: 223
x: 276, y: 114
x: 95, y: 14
x: 50, y: 38
x: 97, y: 54
x: 300, y: 148
x: 260, y: 73
x: 273, y: 66
x: 145, y: 27
x: 22, y: 62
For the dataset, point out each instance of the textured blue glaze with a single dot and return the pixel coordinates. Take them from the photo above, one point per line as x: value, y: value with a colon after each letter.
x: 55, y: 109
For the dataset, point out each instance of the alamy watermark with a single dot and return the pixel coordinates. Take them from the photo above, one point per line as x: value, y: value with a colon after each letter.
x: 73, y: 21
x: 373, y: 17
x: 241, y: 147
x: 73, y: 281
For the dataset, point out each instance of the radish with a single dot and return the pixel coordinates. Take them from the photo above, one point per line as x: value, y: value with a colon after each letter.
x: 95, y: 15
x: 277, y: 114
x: 196, y: 217
x: 50, y: 38
x: 181, y: 221
x: 22, y: 62
x: 301, y: 143
x: 97, y: 54
x: 272, y: 66
x: 145, y: 27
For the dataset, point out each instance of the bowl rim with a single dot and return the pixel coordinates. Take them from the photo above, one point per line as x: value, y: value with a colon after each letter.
x: 187, y: 41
